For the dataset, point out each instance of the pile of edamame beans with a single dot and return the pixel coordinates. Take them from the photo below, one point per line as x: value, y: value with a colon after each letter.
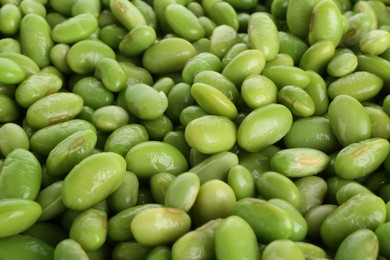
x: 194, y: 129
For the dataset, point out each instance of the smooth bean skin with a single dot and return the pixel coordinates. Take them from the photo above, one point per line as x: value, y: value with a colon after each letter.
x: 28, y: 65
x: 299, y: 162
x: 93, y: 92
x: 349, y: 190
x: 241, y: 181
x: 268, y: 221
x: 361, y: 243
x: 215, y: 200
x: 13, y: 136
x: 354, y: 118
x: 111, y: 73
x: 215, y: 166
x: 17, y: 215
x: 361, y: 85
x: 69, y: 248
x: 222, y: 13
x: 148, y: 158
x: 204, y: 61
x: 126, y: 195
x: 45, y: 139
x: 299, y: 222
x: 93, y: 180
x: 179, y: 97
x: 127, y: 14
x: 162, y: 57
x: 382, y: 233
x: 83, y: 55
x: 282, y: 249
x: 223, y: 38
x: 211, y: 134
x: 380, y: 122
x: 112, y: 35
x: 197, y: 244
x: 275, y: 185
x: 89, y: 229
x: 10, y: 17
x: 312, y: 132
x: 317, y: 56
x: 190, y: 113
x: 375, y: 65
x: 271, y: 122
x: 213, y: 100
x: 292, y: 45
x: 36, y: 87
x: 326, y: 23
x: 70, y: 152
x: 125, y: 137
x: 360, y: 211
x: 234, y: 50
x: 375, y: 42
x: 159, y: 184
x: 25, y: 247
x: 244, y: 64
x: 263, y: 35
x: 35, y: 37
x: 109, y: 118
x: 258, y: 90
x: 50, y: 201
x: 145, y: 102
x: 133, y: 248
x: 297, y: 100
x: 360, y: 159
x: 311, y: 251
x: 159, y: 226
x: 343, y: 63
x: 235, y: 239
x: 54, y: 108
x: 183, y: 22
x: 283, y: 75
x: 20, y: 175
x: 299, y: 24
x: 316, y: 216
x: 74, y: 29
x: 118, y: 224
x: 182, y: 192
x: 313, y: 190
x: 11, y: 72
x: 9, y: 110
x: 137, y: 40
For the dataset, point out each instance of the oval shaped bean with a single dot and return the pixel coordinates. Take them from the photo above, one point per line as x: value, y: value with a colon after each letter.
x: 137, y: 40
x: 235, y: 239
x: 361, y: 243
x: 17, y: 215
x: 382, y: 233
x: 109, y: 118
x: 316, y: 216
x: 271, y: 122
x: 9, y: 109
x: 111, y: 73
x: 28, y: 65
x: 93, y: 180
x: 69, y: 248
x: 360, y: 211
x: 353, y: 124
x: 182, y: 192
x: 223, y: 13
x: 313, y: 190
x: 282, y: 249
x: 145, y: 102
x: 159, y: 226
x: 20, y: 175
x: 13, y: 136
x: 362, y: 158
x: 215, y: 200
x: 54, y: 108
x: 148, y: 158
x: 343, y: 63
x: 168, y: 55
x: 283, y: 75
x: 258, y: 90
x: 25, y: 247
x: 380, y: 122
x: 299, y: 24
x: 317, y: 56
x: 241, y: 181
x: 70, y: 152
x: 89, y: 229
x: 83, y: 55
x: 361, y: 85
x: 127, y: 14
x: 10, y: 18
x: 268, y: 221
x: 50, y: 200
x: 204, y: 61
x: 291, y: 44
x: 75, y: 28
x: 375, y: 42
x: 297, y: 100
x: 10, y: 72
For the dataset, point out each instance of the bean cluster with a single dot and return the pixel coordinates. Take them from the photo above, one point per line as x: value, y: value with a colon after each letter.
x: 194, y: 129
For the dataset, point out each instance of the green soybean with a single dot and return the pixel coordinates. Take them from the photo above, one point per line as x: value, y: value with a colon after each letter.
x: 13, y: 136
x: 69, y: 248
x: 361, y: 243
x: 241, y: 181
x: 25, y: 247
x: 282, y: 248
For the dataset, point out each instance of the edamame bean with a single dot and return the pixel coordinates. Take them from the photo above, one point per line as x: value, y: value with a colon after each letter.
x: 69, y: 248
x: 93, y: 92
x: 282, y: 248
x: 297, y: 100
x: 111, y: 73
x: 137, y: 40
x: 241, y: 181
x: 360, y: 211
x: 380, y: 122
x: 312, y: 190
x: 11, y: 72
x: 147, y: 229
x: 351, y: 126
x: 299, y: 24
x: 361, y: 243
x: 271, y: 122
x: 25, y: 247
x: 13, y: 136
x: 10, y: 18
x: 9, y: 109
x: 204, y: 61
x: 93, y: 180
x: 235, y: 239
x: 343, y: 63
x: 89, y: 229
x: 28, y: 65
x: 148, y: 158
x: 50, y: 201
x: 316, y: 216
x: 360, y: 84
x: 268, y: 221
x: 109, y: 118
x: 362, y: 158
x: 223, y: 13
x: 283, y: 75
x: 375, y: 42
x: 127, y: 14
x: 17, y: 216
x: 258, y: 90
